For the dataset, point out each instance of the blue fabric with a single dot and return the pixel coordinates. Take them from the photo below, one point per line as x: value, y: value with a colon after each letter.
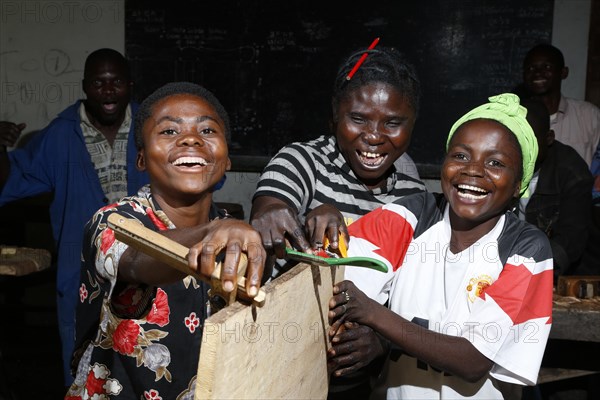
x: 595, y: 168
x: 56, y: 160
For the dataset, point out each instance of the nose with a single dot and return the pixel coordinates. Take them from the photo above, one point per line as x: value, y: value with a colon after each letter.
x: 371, y: 134
x: 190, y: 139
x: 474, y: 168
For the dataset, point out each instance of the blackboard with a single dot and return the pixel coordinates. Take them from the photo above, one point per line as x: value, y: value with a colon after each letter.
x: 272, y: 62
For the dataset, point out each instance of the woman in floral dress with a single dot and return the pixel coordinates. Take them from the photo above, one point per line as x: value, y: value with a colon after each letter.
x: 139, y: 322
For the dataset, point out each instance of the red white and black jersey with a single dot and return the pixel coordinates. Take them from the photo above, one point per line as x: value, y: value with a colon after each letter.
x: 497, y: 293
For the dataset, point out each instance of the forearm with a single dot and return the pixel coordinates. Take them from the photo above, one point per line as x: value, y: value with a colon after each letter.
x: 451, y: 354
x: 138, y: 267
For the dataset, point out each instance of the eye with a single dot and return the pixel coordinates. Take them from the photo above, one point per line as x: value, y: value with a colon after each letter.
x: 496, y: 164
x: 357, y: 119
x: 207, y: 131
x: 395, y: 123
x: 458, y: 156
x: 168, y: 132
x: 97, y: 83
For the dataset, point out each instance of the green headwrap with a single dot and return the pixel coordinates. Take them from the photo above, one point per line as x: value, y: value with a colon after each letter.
x: 505, y: 109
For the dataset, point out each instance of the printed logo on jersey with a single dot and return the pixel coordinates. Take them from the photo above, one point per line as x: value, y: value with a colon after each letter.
x: 477, y: 286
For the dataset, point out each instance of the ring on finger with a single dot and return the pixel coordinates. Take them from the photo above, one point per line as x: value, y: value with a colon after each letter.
x: 347, y: 296
x: 344, y: 306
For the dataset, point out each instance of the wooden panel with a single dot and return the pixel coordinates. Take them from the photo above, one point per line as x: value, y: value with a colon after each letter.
x: 274, y: 351
x: 576, y: 319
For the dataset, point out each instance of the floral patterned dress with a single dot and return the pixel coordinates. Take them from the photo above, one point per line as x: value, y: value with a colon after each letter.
x: 134, y: 341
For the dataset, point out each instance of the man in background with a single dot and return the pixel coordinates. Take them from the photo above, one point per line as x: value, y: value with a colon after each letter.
x: 85, y: 157
x: 575, y: 122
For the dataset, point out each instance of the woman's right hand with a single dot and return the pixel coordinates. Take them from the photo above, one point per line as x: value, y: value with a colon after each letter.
x: 275, y: 220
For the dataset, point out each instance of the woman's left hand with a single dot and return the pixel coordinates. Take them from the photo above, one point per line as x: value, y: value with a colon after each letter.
x: 353, y: 348
x: 325, y: 221
x: 349, y: 304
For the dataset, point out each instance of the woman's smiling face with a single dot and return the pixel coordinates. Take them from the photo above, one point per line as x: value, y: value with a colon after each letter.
x: 373, y: 129
x: 481, y: 172
x: 185, y: 149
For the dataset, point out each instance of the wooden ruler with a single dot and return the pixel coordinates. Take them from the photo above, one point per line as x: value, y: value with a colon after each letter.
x: 133, y: 233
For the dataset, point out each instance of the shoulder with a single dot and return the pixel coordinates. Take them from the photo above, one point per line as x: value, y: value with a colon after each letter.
x: 520, y: 238
x: 582, y: 106
x: 422, y: 206
x: 314, y: 151
x: 423, y: 200
x: 70, y: 113
x: 565, y: 151
x: 69, y: 117
x: 322, y: 144
x: 567, y: 160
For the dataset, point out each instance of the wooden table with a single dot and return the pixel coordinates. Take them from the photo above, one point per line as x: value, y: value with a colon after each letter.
x: 576, y: 319
x: 20, y: 261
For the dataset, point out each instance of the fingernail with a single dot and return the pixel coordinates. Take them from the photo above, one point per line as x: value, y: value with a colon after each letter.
x: 253, y: 291
x: 228, y: 286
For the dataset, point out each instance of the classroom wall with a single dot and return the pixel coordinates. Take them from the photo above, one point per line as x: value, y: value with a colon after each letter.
x: 570, y: 33
x: 43, y: 45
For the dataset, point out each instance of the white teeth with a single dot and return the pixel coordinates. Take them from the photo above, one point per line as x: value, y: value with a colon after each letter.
x: 472, y: 188
x: 369, y: 155
x: 190, y: 160
x: 470, y: 196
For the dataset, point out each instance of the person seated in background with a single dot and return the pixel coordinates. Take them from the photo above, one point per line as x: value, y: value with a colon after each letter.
x: 575, y: 122
x: 86, y: 158
x: 596, y: 189
x: 559, y: 199
x: 470, y: 298
x: 301, y: 189
x: 139, y: 321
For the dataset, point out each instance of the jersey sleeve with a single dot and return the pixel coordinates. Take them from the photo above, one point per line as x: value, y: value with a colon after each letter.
x: 384, y: 234
x: 511, y: 319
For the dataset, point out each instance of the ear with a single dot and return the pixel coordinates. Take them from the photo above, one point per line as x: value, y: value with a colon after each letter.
x: 550, y: 137
x: 564, y: 73
x: 140, y: 161
x: 228, y: 165
x: 517, y: 193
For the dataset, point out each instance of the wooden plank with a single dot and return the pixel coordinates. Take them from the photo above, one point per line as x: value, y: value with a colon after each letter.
x: 558, y: 374
x: 275, y: 351
x: 19, y: 261
x: 134, y: 234
x: 576, y: 319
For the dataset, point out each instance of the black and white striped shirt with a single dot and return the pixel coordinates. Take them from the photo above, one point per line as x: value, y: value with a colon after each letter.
x: 309, y: 174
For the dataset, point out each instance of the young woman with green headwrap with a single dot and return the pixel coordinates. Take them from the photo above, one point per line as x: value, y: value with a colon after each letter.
x: 470, y: 285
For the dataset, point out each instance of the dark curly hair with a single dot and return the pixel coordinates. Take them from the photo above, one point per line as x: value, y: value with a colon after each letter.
x: 383, y: 64
x: 171, y: 89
